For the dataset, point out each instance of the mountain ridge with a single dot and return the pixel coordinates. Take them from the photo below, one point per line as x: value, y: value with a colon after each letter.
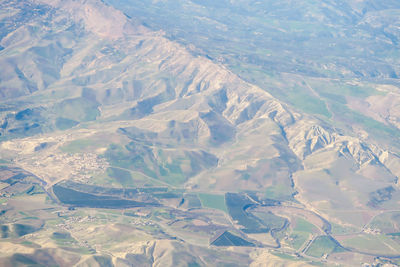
x: 120, y: 98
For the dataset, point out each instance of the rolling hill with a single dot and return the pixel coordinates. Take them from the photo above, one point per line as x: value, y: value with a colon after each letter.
x: 148, y: 128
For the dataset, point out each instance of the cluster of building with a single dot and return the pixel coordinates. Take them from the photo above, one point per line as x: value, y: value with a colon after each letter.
x: 78, y: 166
x: 372, y: 231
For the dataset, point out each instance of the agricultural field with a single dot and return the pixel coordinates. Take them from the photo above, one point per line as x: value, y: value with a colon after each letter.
x: 213, y: 201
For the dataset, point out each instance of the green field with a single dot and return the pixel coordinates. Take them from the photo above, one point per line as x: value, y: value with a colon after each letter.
x: 213, y: 201
x: 298, y: 238
x: 308, y: 103
x: 79, y: 146
x: 371, y: 125
x: 228, y: 239
x: 192, y: 201
x: 343, y: 89
x: 304, y: 226
x: 323, y: 245
x: 386, y: 222
x: 270, y: 220
x: 279, y: 192
x: 300, y: 233
x: 237, y: 205
x: 123, y: 177
x: 64, y: 239
x: 339, y: 229
x: 285, y: 256
x: 81, y: 199
x: 377, y: 244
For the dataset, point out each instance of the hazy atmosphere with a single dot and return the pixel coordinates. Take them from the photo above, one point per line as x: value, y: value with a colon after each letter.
x: 199, y: 133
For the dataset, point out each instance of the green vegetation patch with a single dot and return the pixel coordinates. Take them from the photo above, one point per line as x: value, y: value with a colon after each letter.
x: 34, y: 190
x: 122, y: 157
x: 386, y: 222
x: 64, y: 123
x: 77, y: 109
x: 167, y: 195
x: 23, y: 229
x: 304, y: 226
x: 271, y: 220
x: 344, y: 89
x: 377, y: 244
x: 237, y: 205
x: 323, y: 245
x: 297, y: 239
x: 229, y: 239
x: 213, y: 201
x: 334, y: 97
x: 172, y: 173
x: 141, y: 158
x: 80, y: 145
x: 372, y: 126
x: 164, y: 214
x: 285, y: 256
x: 122, y: 176
x: 280, y: 192
x: 301, y: 232
x: 63, y: 239
x: 193, y: 201
x: 340, y: 229
x: 81, y: 199
x: 61, y: 235
x: 307, y: 103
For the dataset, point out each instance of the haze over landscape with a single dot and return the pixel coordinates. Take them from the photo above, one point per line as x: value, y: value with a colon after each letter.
x: 199, y: 133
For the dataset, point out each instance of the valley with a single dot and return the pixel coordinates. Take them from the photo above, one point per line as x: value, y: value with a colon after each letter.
x: 129, y: 140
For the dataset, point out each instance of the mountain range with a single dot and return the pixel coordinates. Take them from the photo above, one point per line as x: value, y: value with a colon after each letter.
x: 199, y: 133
